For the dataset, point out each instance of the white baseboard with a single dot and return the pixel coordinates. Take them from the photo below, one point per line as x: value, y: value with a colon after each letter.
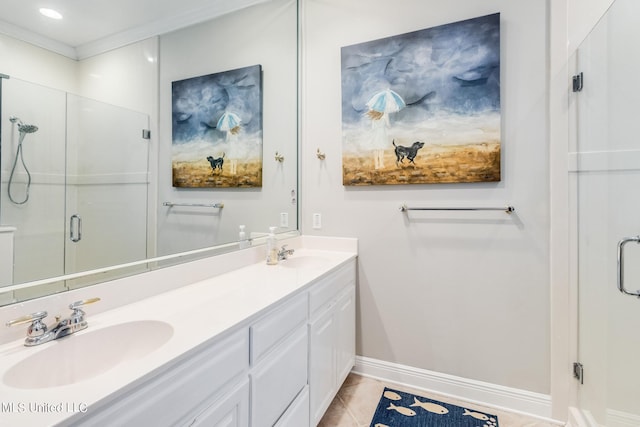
x: 515, y: 400
x: 622, y: 419
x: 583, y: 418
x: 578, y: 418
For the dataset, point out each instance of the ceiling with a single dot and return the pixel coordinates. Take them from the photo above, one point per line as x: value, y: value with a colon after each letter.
x: 90, y: 27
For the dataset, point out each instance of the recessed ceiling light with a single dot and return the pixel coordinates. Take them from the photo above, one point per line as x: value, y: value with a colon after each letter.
x: 50, y: 13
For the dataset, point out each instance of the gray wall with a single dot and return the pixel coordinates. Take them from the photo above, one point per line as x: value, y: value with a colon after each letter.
x: 462, y: 294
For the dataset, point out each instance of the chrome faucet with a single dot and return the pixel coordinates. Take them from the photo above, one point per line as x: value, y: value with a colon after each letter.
x: 38, y: 332
x: 284, y: 253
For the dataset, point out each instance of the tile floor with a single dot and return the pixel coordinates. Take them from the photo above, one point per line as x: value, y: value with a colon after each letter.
x: 358, y: 398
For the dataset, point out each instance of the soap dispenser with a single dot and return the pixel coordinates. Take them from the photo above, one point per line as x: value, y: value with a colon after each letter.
x: 242, y: 238
x: 272, y: 247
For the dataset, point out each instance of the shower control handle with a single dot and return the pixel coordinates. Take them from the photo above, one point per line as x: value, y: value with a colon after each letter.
x: 621, y: 244
x: 75, y: 228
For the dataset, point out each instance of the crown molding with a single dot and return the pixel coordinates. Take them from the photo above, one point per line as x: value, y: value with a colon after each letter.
x: 162, y: 26
x: 35, y: 39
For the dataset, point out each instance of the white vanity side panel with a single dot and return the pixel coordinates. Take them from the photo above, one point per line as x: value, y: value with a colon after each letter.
x: 346, y: 334
x: 268, y: 331
x: 276, y: 382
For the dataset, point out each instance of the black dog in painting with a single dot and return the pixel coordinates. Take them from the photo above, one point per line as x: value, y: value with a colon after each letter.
x: 408, y: 152
x: 216, y: 163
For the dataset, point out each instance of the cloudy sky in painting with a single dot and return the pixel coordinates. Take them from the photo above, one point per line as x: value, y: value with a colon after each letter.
x: 199, y: 102
x: 449, y: 70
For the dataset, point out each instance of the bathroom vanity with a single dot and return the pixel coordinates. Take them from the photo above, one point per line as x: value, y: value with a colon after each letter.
x: 257, y: 346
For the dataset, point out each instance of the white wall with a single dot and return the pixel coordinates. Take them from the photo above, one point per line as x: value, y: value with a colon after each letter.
x: 126, y: 77
x: 583, y: 17
x: 462, y: 294
x: 27, y: 62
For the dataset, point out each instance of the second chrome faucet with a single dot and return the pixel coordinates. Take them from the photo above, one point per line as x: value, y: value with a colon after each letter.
x: 283, y: 253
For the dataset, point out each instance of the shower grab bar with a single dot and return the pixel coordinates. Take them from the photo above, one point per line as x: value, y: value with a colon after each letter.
x: 75, y: 237
x: 197, y: 205
x: 506, y: 209
x: 621, y: 244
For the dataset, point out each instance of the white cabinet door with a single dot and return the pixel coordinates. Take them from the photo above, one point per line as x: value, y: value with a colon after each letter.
x: 231, y: 411
x: 297, y: 414
x: 277, y: 380
x: 332, y: 338
x: 322, y: 364
x: 345, y: 334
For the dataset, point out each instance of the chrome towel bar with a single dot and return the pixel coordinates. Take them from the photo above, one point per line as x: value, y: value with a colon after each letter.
x: 506, y: 209
x: 197, y: 205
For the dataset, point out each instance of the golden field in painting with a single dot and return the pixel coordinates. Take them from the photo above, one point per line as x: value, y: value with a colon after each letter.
x: 433, y: 164
x: 200, y: 175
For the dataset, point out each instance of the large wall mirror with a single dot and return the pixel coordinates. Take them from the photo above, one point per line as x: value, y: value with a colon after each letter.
x: 89, y: 148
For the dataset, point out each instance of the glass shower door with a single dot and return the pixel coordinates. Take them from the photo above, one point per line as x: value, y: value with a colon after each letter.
x: 107, y: 185
x: 606, y: 168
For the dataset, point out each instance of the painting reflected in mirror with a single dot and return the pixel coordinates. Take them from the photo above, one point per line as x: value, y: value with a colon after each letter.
x: 217, y: 130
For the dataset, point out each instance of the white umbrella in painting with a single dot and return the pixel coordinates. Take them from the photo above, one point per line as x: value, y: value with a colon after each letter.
x: 380, y: 105
x: 229, y: 122
x: 386, y: 101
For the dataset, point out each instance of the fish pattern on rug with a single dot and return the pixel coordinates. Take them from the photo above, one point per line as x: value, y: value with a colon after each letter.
x: 400, y: 409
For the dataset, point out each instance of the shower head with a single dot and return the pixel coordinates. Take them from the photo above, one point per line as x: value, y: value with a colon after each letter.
x: 23, y: 128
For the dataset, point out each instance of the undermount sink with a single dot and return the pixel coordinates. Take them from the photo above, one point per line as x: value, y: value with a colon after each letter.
x: 304, y: 261
x: 85, y: 355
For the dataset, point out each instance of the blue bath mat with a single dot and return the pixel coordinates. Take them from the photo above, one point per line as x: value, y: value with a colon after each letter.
x: 400, y: 409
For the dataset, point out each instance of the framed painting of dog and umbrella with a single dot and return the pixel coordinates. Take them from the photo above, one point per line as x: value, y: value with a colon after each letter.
x: 423, y: 107
x: 217, y: 130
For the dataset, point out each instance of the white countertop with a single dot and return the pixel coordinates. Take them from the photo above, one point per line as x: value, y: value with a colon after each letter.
x: 198, y: 313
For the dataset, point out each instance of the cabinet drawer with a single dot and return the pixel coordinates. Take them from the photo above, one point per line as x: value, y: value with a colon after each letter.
x: 180, y: 391
x: 297, y: 414
x: 323, y: 293
x: 278, y: 379
x: 279, y: 323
